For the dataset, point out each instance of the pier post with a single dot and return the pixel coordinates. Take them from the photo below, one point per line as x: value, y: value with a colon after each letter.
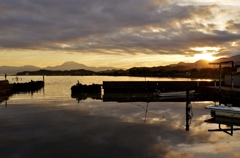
x: 232, y: 75
x: 187, y: 110
x: 220, y: 76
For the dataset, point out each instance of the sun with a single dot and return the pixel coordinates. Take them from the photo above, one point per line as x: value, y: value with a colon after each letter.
x: 205, y: 53
x: 205, y: 56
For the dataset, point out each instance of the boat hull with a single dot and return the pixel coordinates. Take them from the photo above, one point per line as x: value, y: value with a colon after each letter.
x: 224, y: 111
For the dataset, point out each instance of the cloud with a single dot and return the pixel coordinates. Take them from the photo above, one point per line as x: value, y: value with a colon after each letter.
x: 113, y: 27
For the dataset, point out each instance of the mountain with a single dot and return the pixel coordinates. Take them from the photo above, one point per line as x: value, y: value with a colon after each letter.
x: 235, y: 58
x: 70, y: 65
x: 198, y: 64
x: 67, y: 66
x: 12, y: 70
x: 203, y: 63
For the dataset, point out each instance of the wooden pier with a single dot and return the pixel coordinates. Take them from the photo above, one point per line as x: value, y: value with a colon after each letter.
x: 152, y: 86
x: 224, y: 95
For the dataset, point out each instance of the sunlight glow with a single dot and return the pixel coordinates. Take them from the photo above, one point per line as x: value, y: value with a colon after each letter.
x: 206, y: 53
x: 205, y: 49
x: 205, y: 56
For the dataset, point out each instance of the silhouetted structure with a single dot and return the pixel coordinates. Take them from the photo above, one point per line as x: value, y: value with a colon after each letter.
x: 80, y: 88
x: 27, y: 86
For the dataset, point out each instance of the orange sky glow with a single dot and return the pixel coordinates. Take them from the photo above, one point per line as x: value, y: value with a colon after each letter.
x: 120, y: 34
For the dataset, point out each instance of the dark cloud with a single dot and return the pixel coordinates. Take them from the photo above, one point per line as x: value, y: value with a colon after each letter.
x: 234, y: 26
x: 104, y: 26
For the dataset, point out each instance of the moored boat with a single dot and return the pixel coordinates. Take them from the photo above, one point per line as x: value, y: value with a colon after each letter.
x: 172, y: 94
x: 224, y: 111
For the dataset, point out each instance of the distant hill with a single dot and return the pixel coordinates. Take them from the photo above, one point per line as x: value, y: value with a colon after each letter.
x: 198, y: 64
x: 203, y: 63
x: 58, y: 72
x: 12, y: 70
x: 75, y: 66
x: 235, y: 58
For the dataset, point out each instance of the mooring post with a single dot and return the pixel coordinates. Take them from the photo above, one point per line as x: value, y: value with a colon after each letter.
x: 220, y: 76
x: 43, y: 78
x: 187, y: 110
x: 187, y: 97
x: 232, y: 75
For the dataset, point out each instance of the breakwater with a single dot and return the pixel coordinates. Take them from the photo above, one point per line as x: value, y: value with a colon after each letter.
x: 7, y: 89
x: 27, y: 86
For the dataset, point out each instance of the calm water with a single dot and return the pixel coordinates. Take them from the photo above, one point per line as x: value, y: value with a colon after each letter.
x: 50, y: 123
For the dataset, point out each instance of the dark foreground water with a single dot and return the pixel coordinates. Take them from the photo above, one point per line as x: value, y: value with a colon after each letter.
x: 52, y: 124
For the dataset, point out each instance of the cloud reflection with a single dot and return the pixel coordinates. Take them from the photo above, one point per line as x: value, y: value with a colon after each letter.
x: 96, y: 129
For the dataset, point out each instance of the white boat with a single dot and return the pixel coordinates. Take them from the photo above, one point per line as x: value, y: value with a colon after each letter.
x: 173, y: 94
x: 224, y: 111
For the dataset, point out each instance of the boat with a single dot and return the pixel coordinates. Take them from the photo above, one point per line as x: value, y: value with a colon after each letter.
x: 224, y: 111
x: 172, y: 94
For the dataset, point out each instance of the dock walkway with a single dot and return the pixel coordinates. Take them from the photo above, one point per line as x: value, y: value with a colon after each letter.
x: 226, y: 94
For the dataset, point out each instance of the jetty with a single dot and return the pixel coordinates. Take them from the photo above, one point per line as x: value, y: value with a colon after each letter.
x: 225, y: 95
x: 27, y: 86
x: 152, y: 86
x: 123, y: 91
x: 7, y: 89
x: 139, y: 86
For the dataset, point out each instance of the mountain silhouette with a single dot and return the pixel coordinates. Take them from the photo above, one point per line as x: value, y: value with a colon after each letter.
x: 198, y: 65
x: 235, y: 58
x: 71, y: 65
x: 12, y: 70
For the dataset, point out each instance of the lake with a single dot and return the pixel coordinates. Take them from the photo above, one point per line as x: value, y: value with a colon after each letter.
x: 50, y: 123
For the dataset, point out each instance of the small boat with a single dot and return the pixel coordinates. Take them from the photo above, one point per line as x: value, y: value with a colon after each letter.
x: 173, y: 94
x: 224, y: 111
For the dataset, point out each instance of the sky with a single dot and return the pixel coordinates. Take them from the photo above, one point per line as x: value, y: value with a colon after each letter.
x: 117, y: 33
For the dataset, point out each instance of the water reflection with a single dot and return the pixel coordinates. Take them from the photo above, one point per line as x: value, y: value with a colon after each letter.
x: 84, y: 96
x: 224, y: 124
x: 56, y: 125
x: 226, y: 116
x: 147, y: 99
x: 133, y: 97
x: 189, y: 115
